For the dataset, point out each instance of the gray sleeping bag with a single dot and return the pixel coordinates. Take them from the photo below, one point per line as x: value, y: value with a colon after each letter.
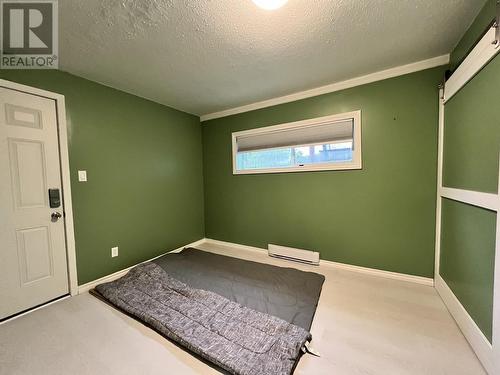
x: 287, y: 293
x: 234, y: 337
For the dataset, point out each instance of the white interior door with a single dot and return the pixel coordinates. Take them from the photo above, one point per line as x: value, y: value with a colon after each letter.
x: 33, y: 264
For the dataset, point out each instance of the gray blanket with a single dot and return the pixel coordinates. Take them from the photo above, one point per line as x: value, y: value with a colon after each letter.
x: 288, y: 293
x: 236, y: 338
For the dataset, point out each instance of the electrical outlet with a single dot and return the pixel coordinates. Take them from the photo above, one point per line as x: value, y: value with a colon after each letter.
x: 114, y: 252
x: 82, y: 176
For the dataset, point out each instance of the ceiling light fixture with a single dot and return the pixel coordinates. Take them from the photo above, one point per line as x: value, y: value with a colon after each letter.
x: 270, y: 4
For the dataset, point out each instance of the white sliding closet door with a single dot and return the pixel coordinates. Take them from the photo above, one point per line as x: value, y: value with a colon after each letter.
x: 467, y: 226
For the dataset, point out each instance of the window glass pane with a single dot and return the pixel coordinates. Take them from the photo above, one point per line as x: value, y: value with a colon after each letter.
x: 327, y: 153
x: 295, y: 156
x: 260, y: 159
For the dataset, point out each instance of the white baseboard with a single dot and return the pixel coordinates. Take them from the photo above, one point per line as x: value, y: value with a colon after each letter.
x: 381, y: 273
x: 348, y: 267
x: 365, y: 270
x: 469, y: 328
x: 235, y: 245
x: 92, y: 284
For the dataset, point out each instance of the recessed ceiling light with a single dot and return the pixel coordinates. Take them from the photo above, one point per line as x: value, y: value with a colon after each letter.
x: 270, y: 4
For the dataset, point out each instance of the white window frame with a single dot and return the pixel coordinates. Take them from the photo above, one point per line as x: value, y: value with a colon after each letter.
x: 356, y: 162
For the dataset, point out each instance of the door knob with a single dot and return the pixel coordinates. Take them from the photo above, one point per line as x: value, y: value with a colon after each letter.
x: 55, y: 216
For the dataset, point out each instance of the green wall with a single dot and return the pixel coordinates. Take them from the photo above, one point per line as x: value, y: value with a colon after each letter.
x: 468, y: 258
x: 382, y: 216
x: 474, y: 33
x: 472, y: 133
x: 145, y: 184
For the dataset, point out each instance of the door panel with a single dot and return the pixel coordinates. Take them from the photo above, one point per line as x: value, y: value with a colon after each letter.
x: 35, y: 254
x: 27, y: 167
x: 22, y: 116
x: 33, y: 265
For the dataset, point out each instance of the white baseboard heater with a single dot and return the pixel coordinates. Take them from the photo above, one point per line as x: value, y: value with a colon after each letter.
x: 296, y: 255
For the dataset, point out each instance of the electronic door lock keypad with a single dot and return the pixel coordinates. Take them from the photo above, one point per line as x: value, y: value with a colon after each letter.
x: 54, y: 198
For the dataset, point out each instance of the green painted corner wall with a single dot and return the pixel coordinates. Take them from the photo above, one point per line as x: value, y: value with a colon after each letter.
x: 468, y: 258
x: 474, y: 33
x: 382, y: 216
x: 145, y: 184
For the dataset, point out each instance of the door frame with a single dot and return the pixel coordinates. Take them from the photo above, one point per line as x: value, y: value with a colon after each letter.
x: 62, y: 141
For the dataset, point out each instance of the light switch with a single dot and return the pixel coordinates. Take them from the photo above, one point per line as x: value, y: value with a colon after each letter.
x: 82, y: 176
x: 114, y: 252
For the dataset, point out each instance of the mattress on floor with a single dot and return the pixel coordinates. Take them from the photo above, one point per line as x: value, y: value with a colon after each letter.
x: 286, y: 293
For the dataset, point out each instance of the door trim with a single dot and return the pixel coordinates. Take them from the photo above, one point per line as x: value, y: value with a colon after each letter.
x: 65, y: 174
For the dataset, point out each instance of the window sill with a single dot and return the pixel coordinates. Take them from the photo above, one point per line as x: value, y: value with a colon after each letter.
x: 306, y: 168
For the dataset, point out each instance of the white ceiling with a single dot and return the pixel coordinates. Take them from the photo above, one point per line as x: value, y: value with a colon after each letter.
x: 203, y: 56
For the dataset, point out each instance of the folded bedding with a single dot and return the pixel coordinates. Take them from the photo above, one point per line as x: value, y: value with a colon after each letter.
x: 231, y: 335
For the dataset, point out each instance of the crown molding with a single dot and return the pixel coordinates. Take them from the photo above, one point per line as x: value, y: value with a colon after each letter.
x: 358, y: 81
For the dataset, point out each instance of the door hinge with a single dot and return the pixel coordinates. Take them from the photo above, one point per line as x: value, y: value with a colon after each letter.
x: 441, y: 90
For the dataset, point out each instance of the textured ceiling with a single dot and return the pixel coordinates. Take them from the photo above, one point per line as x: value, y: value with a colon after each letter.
x: 203, y: 56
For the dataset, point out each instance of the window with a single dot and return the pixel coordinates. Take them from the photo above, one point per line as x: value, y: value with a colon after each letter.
x: 325, y: 143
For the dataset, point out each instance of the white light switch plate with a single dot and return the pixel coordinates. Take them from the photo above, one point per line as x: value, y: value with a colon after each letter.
x: 114, y: 252
x: 82, y: 176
